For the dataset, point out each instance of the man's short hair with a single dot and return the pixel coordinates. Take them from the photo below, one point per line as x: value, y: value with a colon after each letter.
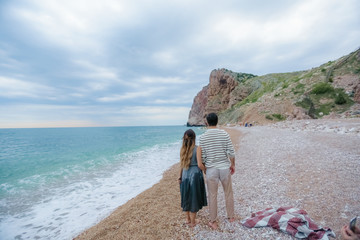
x: 212, y: 119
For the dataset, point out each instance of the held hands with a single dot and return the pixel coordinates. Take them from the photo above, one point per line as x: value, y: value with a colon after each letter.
x: 347, y: 234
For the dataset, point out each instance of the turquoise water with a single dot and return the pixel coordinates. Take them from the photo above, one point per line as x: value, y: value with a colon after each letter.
x: 56, y: 182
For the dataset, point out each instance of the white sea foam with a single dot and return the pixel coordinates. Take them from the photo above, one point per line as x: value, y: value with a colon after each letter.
x: 68, y: 209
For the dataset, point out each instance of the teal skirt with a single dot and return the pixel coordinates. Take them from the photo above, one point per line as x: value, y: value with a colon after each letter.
x: 192, y: 189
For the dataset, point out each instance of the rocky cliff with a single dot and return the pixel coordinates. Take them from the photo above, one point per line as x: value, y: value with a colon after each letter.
x: 330, y: 90
x: 220, y: 94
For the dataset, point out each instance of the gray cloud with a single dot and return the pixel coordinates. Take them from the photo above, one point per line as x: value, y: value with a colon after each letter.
x: 151, y: 58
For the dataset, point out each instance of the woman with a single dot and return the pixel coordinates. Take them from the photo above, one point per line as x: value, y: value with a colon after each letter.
x: 192, y: 187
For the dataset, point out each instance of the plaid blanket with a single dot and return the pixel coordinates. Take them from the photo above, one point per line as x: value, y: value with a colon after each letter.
x: 290, y: 220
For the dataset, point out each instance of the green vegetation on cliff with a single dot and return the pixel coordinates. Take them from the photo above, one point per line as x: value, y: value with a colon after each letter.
x: 329, y: 88
x: 240, y: 77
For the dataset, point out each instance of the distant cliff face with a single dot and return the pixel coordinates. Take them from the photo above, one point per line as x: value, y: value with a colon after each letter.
x: 197, y: 112
x: 217, y: 96
x: 330, y: 90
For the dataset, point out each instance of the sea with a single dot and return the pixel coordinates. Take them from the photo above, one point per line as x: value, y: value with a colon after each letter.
x: 57, y: 182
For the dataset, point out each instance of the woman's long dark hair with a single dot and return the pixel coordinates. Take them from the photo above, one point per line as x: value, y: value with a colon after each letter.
x: 187, y: 148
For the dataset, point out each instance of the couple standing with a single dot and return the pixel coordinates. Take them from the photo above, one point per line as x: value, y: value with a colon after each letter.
x: 216, y: 158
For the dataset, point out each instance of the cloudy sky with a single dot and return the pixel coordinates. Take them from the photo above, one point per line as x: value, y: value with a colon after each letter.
x: 140, y: 62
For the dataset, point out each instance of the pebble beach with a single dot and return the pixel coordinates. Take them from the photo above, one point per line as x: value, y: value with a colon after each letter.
x: 312, y: 165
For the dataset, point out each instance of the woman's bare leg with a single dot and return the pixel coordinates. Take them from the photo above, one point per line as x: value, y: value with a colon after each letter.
x: 188, y: 219
x: 194, y: 221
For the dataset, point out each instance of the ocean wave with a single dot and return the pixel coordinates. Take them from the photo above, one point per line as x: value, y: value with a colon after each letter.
x: 71, y: 199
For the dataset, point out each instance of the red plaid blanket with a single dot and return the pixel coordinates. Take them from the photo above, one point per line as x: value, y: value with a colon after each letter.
x: 290, y: 220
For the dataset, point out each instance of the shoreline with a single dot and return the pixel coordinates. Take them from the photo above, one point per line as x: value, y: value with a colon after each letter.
x: 151, y: 213
x: 312, y: 165
x: 139, y: 217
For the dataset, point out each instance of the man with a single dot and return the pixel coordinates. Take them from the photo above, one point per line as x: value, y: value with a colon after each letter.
x: 217, y: 153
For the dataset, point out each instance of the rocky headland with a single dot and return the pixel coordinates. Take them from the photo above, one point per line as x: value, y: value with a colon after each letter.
x: 331, y: 90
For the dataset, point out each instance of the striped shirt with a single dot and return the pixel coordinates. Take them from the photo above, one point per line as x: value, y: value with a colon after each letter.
x: 216, y: 148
